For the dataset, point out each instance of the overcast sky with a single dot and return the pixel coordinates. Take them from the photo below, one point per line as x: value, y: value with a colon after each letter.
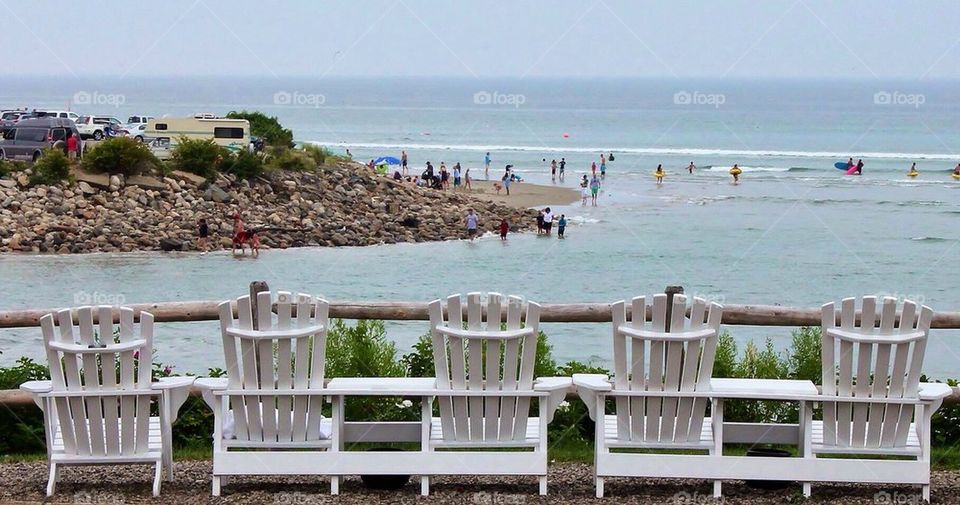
x: 585, y: 38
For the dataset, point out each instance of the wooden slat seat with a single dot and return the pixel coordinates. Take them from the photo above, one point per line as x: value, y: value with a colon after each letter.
x: 98, y: 400
x: 660, y: 388
x: 911, y: 446
x: 530, y: 438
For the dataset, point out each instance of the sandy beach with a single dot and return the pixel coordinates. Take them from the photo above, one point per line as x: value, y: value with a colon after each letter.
x: 525, y: 195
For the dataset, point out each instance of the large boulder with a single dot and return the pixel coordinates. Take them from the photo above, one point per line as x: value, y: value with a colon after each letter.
x: 216, y: 194
x: 170, y: 244
x: 146, y: 182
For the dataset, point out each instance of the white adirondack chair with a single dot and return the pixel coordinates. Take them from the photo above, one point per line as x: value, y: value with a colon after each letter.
x: 659, y: 379
x: 97, y: 404
x: 267, y: 411
x: 873, y: 401
x: 484, y: 386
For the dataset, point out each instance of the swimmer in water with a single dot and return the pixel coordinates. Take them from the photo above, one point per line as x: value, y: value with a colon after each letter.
x: 659, y: 174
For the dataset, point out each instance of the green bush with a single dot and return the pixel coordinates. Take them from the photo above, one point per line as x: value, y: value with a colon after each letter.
x: 244, y: 165
x: 320, y: 154
x: 281, y: 158
x: 266, y: 127
x: 120, y: 155
x: 198, y: 156
x: 52, y: 167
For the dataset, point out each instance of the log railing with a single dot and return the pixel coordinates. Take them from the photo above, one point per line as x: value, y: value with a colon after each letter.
x: 733, y: 314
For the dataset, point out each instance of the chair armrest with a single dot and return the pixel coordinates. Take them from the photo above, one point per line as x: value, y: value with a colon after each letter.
x: 167, y: 383
x: 36, y: 388
x: 934, y: 390
x: 592, y: 381
x: 552, y: 383
x: 589, y: 385
x: 176, y: 390
x: 557, y: 387
x: 207, y: 385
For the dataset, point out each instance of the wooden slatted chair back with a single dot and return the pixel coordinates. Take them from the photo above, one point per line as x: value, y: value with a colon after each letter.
x: 286, y: 351
x: 483, y: 357
x: 878, y: 356
x: 113, y: 365
x: 649, y: 356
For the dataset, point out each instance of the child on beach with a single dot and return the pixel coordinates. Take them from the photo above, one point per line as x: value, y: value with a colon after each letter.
x: 540, y: 222
x: 593, y: 168
x: 506, y: 183
x: 504, y: 228
x: 553, y: 170
x: 561, y: 225
x: 203, y: 231
x: 466, y: 180
x: 659, y: 173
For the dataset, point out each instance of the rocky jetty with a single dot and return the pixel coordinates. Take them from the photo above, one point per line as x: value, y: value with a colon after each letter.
x: 338, y: 205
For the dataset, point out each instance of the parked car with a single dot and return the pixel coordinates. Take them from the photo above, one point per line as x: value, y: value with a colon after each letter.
x: 8, y: 118
x: 29, y: 137
x: 138, y: 132
x: 138, y: 119
x: 66, y: 114
x: 95, y: 126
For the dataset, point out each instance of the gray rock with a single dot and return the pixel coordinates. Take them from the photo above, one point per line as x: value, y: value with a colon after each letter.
x: 85, y: 188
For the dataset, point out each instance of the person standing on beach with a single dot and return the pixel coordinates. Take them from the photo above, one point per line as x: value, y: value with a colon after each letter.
x: 444, y: 176
x: 506, y: 182
x: 584, y: 184
x: 561, y: 225
x: 594, y: 189
x: 563, y: 166
x: 659, y: 174
x: 593, y: 168
x: 547, y: 221
x: 691, y: 167
x: 466, y: 180
x: 456, y: 176
x: 504, y: 228
x: 603, y: 167
x: 472, y: 220
x: 486, y: 165
x: 539, y: 222
x: 203, y: 232
x: 403, y: 163
x: 553, y: 170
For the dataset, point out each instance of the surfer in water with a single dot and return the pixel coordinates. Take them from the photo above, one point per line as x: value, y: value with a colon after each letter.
x: 659, y: 174
x: 859, y: 166
x: 850, y: 163
x: 691, y: 167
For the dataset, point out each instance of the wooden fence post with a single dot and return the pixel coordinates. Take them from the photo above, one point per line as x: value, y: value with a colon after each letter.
x: 256, y: 287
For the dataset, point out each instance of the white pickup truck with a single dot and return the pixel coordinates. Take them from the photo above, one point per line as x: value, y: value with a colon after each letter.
x: 94, y: 126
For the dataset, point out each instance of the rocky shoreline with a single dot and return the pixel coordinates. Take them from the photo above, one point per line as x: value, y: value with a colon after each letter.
x: 344, y: 204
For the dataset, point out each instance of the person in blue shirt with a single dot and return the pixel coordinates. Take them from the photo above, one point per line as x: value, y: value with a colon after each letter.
x: 486, y: 166
x: 561, y: 225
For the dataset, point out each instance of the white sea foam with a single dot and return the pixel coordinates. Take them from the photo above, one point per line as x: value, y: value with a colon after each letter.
x: 696, y: 152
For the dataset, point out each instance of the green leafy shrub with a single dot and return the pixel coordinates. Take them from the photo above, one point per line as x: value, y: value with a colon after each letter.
x: 804, y: 360
x: 320, y: 154
x: 244, y: 165
x: 290, y: 159
x: 120, y: 155
x: 52, y: 167
x: 725, y: 358
x: 266, y: 127
x: 25, y: 370
x: 198, y: 156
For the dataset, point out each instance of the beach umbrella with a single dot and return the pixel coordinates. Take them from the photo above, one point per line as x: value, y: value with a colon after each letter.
x: 388, y: 160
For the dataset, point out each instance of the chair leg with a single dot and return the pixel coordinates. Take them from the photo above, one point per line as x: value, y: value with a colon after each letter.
x: 425, y: 485
x: 335, y: 485
x: 599, y: 485
x: 717, y: 484
x: 216, y: 485
x: 543, y: 485
x: 52, y: 480
x: 157, y: 477
x: 926, y: 492
x: 806, y: 490
x: 168, y: 462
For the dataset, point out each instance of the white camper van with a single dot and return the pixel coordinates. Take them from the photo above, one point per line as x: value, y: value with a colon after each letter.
x: 163, y: 133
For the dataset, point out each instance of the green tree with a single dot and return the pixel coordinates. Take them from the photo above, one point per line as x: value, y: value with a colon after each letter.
x: 266, y: 127
x: 198, y: 156
x: 52, y: 167
x: 120, y: 155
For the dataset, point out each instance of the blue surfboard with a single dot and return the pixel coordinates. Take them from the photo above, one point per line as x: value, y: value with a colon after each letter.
x: 841, y: 165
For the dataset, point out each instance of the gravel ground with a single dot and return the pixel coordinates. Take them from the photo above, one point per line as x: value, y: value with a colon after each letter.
x: 570, y: 483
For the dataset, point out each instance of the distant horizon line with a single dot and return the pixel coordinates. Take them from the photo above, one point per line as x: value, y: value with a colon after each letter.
x: 842, y: 79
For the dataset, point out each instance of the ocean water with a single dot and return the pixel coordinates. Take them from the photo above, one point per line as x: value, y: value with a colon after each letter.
x: 795, y: 232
